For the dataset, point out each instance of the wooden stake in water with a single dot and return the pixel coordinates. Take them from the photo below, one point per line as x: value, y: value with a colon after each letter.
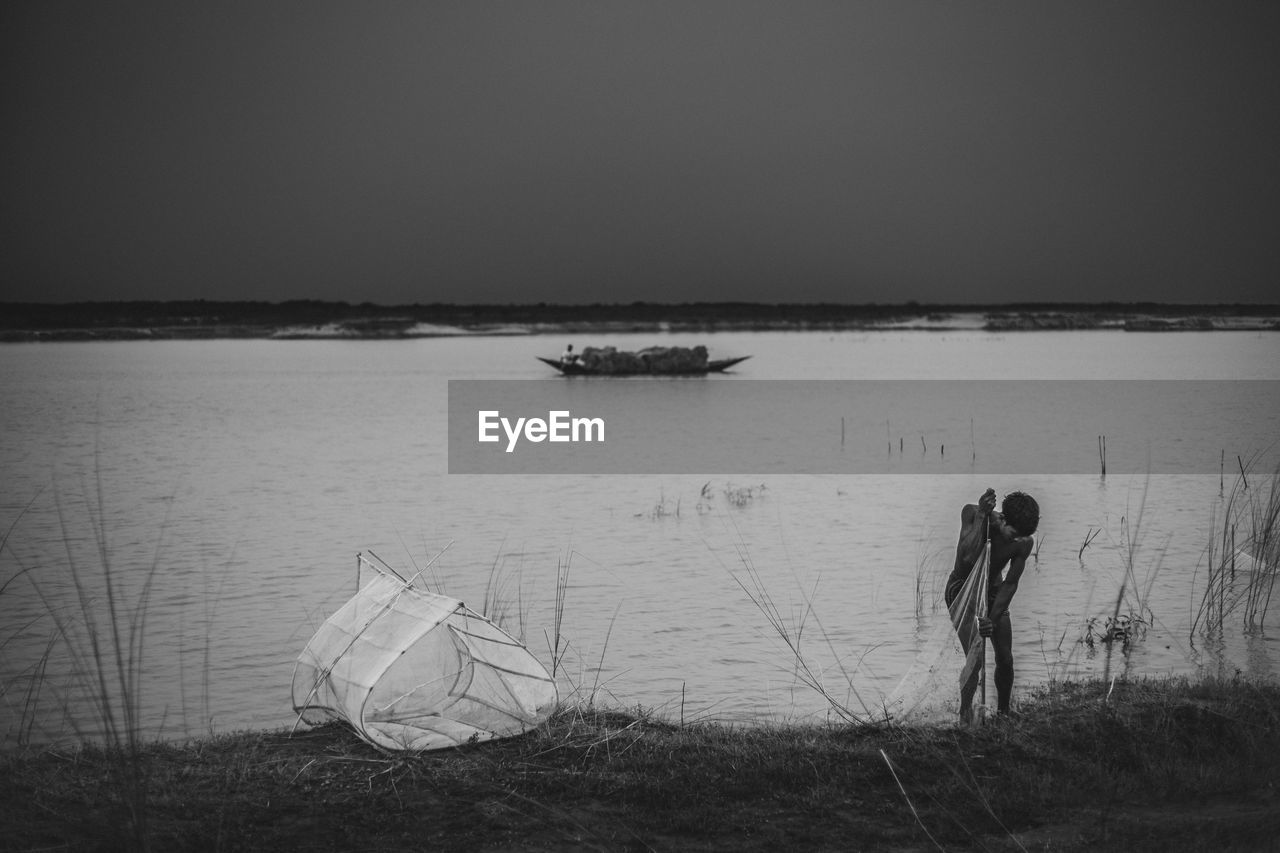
x: 1102, y: 453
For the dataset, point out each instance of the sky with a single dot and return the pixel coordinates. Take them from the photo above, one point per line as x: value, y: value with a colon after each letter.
x: 595, y: 151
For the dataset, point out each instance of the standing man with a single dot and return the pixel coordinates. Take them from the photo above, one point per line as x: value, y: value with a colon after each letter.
x: 1010, y: 532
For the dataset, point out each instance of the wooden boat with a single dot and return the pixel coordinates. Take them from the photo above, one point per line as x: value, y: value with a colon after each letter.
x: 574, y: 368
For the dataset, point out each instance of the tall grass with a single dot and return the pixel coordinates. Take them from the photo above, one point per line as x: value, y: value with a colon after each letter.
x: 502, y: 608
x: 1130, y: 543
x: 4, y: 541
x: 556, y: 642
x: 925, y: 573
x: 791, y: 632
x: 33, y: 675
x: 103, y: 632
x: 1211, y: 616
x: 1130, y: 612
x: 1263, y: 549
x: 1242, y: 557
x: 560, y: 646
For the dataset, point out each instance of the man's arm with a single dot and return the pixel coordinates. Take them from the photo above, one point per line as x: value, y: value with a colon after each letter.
x: 973, y: 528
x: 1009, y: 586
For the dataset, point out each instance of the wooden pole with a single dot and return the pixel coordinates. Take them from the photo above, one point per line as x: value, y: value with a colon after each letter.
x: 982, y: 612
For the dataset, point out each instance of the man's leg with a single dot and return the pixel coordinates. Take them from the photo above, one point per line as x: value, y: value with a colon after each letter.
x: 1002, y: 642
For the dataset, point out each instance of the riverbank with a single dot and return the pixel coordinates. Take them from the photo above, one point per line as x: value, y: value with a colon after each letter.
x: 1158, y: 765
x: 300, y: 320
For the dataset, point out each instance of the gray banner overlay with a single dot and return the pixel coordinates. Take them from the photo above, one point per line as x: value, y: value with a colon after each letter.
x: 735, y: 426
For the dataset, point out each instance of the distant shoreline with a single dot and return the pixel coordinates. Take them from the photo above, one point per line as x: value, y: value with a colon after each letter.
x: 313, y: 320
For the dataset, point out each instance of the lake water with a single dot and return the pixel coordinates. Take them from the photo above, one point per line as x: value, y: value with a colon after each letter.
x: 249, y: 474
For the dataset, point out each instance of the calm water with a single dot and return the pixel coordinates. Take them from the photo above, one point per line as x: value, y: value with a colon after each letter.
x: 249, y: 474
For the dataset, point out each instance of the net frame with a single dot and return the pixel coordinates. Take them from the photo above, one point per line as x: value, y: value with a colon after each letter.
x: 412, y: 670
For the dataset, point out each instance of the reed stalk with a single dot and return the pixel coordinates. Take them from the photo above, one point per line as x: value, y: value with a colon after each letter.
x: 1264, y: 549
x: 1242, y: 558
x: 497, y: 603
x: 1089, y: 536
x: 557, y: 644
x: 791, y: 633
x: 1130, y: 548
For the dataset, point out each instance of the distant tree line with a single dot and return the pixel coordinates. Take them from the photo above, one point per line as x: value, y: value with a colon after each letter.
x: 197, y: 314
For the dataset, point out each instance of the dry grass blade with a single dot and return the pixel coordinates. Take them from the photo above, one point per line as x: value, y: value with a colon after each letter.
x: 600, y: 664
x: 910, y: 804
x: 792, y: 635
x: 972, y: 785
x: 4, y: 541
x: 1089, y: 536
x: 556, y: 642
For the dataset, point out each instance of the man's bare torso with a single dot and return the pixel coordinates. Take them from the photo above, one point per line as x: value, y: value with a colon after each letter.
x: 972, y: 537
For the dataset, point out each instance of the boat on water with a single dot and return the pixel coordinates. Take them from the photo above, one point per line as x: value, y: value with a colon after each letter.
x: 578, y: 369
x: 654, y: 361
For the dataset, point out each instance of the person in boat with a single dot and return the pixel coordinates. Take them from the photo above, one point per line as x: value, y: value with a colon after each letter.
x: 1010, y: 531
x: 569, y: 356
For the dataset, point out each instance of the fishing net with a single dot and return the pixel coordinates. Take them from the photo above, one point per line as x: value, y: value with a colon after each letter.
x: 410, y: 670
x: 930, y: 691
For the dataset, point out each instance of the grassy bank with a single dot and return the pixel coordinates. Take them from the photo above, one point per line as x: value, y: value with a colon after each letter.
x: 1159, y: 765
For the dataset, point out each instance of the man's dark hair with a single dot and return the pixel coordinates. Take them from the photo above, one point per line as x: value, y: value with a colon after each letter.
x: 1022, y: 512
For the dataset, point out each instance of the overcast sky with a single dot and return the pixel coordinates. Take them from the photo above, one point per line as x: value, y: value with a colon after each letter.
x: 612, y: 152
